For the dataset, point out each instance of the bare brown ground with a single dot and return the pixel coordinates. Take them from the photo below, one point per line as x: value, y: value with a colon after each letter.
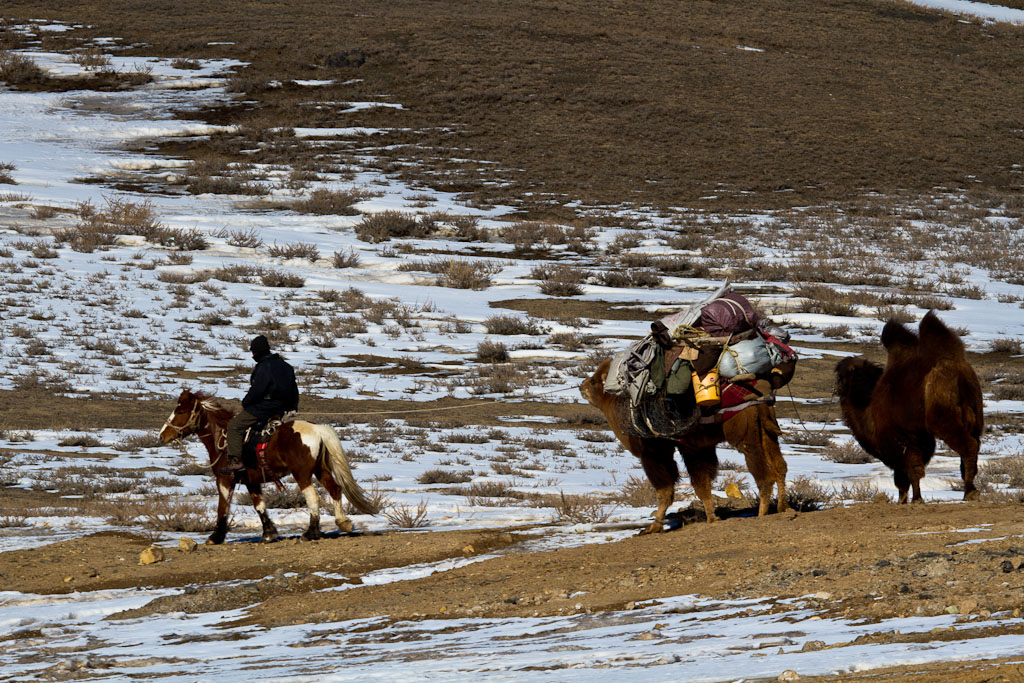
x: 890, y: 561
x: 608, y: 102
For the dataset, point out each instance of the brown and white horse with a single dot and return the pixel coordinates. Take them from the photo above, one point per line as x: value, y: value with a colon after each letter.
x: 299, y: 448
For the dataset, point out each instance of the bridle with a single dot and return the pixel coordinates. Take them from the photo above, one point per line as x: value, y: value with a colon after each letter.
x: 190, y: 424
x: 192, y: 427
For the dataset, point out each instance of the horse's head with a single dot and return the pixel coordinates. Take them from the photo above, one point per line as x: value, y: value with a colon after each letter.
x: 184, y: 419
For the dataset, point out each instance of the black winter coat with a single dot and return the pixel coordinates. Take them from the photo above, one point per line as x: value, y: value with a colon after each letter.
x: 272, y: 388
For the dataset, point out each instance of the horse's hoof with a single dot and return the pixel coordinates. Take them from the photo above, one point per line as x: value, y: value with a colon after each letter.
x: 345, y: 527
x: 269, y: 538
x: 655, y: 528
x: 309, y: 537
x: 973, y: 494
x: 214, y: 541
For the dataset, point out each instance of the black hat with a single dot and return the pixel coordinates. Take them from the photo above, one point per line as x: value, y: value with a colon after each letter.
x: 259, y: 346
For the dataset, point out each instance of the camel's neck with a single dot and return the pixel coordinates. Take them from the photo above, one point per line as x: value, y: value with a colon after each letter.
x: 860, y: 422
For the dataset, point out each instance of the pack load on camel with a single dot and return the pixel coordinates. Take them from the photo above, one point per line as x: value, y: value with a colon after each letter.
x: 700, y: 366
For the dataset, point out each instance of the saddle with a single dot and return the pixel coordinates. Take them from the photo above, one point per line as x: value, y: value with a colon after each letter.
x: 258, y: 436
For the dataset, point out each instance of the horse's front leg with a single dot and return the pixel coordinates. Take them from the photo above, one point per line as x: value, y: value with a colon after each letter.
x: 256, y: 495
x: 225, y: 489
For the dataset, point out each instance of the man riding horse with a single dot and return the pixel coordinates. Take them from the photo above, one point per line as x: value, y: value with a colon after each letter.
x: 272, y: 393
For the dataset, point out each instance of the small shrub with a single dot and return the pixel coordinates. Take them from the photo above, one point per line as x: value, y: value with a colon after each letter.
x: 826, y: 300
x: 1013, y: 346
x: 629, y: 278
x: 804, y: 495
x: 570, y: 341
x: 5, y: 173
x: 90, y: 59
x: 511, y: 324
x: 637, y: 492
x: 134, y: 443
x: 383, y: 226
x: 43, y: 212
x: 278, y: 278
x: 172, y: 513
x: 183, y: 240
x: 298, y: 250
x: 805, y: 437
x: 489, y: 351
x: 861, y: 492
x: 235, y: 273
x: 79, y: 441
x: 439, y: 476
x: 847, y: 453
x: 404, y: 517
x: 465, y: 274
x: 1008, y: 470
x: 496, y: 379
x: 560, y: 280
x: 838, y: 331
x: 17, y: 69
x: 898, y: 314
x: 186, y: 64
x: 346, y: 259
x: 581, y: 509
x: 324, y: 202
x: 244, y: 238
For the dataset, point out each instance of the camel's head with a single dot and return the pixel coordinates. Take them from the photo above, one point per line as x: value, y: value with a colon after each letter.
x: 592, y: 387
x: 856, y: 378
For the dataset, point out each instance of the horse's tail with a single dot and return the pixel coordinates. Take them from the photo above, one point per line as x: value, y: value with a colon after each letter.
x: 337, y: 463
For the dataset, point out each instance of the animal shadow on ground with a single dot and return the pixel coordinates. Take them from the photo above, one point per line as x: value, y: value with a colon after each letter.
x: 927, y: 390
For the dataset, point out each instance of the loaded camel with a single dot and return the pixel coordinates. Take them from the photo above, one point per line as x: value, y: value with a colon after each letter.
x: 753, y: 431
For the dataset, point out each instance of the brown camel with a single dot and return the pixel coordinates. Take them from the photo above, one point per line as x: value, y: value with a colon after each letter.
x: 927, y: 390
x: 753, y: 431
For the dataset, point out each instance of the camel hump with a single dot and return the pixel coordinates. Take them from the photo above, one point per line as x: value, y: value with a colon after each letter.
x: 896, y: 335
x: 937, y: 340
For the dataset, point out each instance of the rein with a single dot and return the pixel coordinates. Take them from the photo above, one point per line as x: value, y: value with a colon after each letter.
x: 219, y: 437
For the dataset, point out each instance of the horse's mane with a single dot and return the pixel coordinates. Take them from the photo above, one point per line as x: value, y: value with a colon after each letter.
x: 217, y: 409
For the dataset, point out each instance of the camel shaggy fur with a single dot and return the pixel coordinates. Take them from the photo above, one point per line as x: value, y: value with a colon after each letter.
x: 927, y: 390
x: 754, y: 431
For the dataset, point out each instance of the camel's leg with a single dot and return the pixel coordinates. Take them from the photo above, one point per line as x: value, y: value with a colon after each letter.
x: 755, y: 433
x: 225, y: 490
x: 967, y: 447
x: 340, y: 518
x: 663, y: 473
x: 902, y: 482
x: 915, y: 470
x: 256, y: 495
x: 702, y: 466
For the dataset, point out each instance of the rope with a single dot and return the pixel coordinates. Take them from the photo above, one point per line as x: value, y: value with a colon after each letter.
x: 461, y: 406
x: 800, y: 420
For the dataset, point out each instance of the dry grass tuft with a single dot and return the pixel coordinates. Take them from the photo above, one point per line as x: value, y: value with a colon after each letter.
x: 297, y: 250
x: 332, y: 202
x: 405, y: 517
x: 581, y: 509
x: 17, y: 69
x: 847, y: 453
x: 512, y: 325
x: 637, y: 492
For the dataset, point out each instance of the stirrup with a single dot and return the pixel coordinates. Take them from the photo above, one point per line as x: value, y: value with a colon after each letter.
x: 232, y: 467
